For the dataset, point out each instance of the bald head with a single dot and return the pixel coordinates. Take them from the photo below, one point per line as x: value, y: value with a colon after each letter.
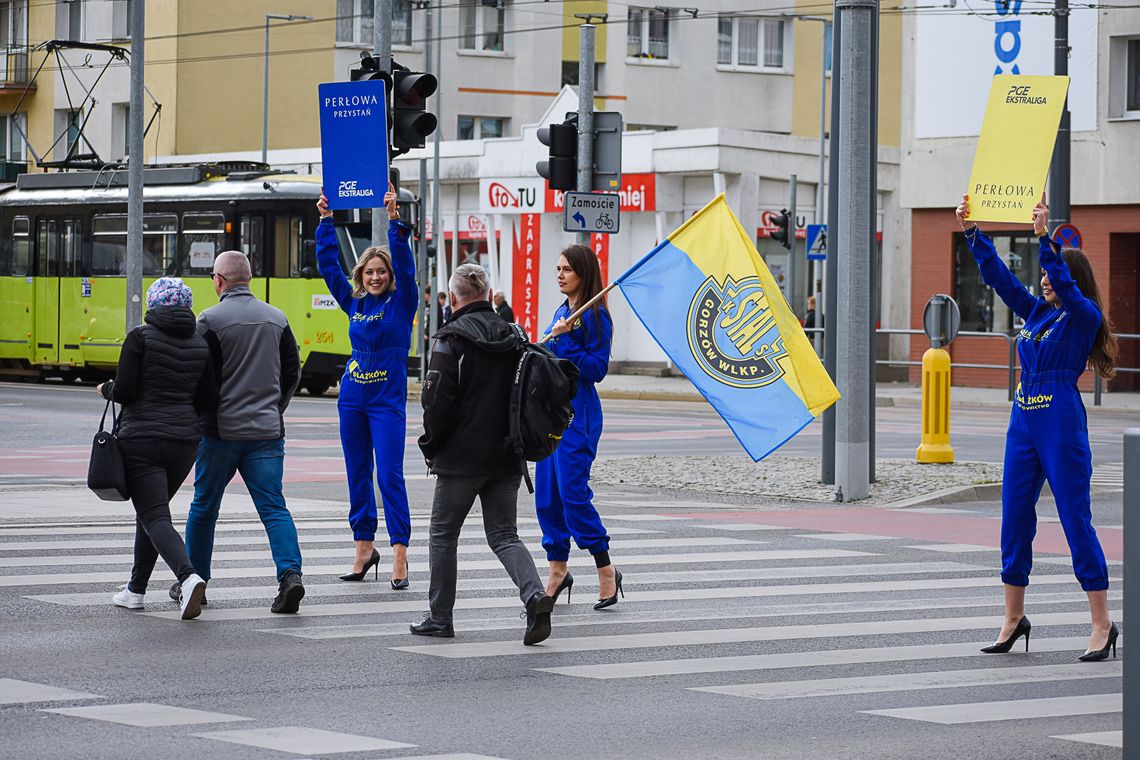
x: 233, y: 268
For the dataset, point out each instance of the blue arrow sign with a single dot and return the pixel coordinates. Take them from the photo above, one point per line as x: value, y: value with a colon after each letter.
x: 817, y: 242
x: 581, y: 220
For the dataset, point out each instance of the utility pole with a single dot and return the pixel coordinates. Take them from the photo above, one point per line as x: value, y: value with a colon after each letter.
x: 135, y: 170
x: 436, y: 211
x: 831, y: 265
x: 423, y: 324
x: 1059, y: 169
x: 795, y: 284
x: 852, y: 444
x: 382, y: 52
x: 585, y: 114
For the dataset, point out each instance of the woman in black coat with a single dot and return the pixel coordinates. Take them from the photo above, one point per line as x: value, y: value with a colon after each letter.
x: 164, y: 379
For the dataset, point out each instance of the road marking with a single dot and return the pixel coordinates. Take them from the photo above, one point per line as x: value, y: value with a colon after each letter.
x: 806, y: 659
x: 827, y: 687
x: 728, y: 636
x: 984, y: 712
x: 1102, y: 738
x: 100, y: 598
x: 847, y: 537
x: 146, y: 714
x: 13, y: 692
x: 163, y: 574
x: 954, y: 548
x: 616, y: 547
x: 300, y: 740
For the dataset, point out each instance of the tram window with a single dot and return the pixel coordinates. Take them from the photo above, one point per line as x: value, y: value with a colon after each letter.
x: 287, y: 246
x: 47, y: 248
x: 203, y: 238
x: 160, y: 242
x: 16, y: 261
x: 109, y: 245
x: 252, y: 242
x: 69, y: 239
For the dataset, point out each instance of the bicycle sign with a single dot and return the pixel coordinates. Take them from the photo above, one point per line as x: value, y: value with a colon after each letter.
x: 591, y: 212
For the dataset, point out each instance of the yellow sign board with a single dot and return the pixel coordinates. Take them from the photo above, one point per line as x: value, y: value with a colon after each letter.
x: 1015, y: 147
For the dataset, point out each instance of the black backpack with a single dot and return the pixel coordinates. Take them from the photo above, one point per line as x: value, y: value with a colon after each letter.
x: 540, y: 409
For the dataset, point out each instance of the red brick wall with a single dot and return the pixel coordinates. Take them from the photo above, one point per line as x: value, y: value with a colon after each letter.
x: 932, y: 271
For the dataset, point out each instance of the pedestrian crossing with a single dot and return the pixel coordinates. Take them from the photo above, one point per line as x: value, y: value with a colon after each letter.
x: 715, y: 610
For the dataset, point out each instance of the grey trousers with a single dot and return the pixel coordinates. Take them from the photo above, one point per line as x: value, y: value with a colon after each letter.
x: 454, y: 497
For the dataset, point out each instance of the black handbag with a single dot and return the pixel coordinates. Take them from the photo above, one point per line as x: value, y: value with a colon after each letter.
x: 106, y: 475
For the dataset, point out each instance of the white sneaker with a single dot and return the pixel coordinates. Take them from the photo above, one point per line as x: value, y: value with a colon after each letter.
x: 190, y: 600
x: 127, y: 598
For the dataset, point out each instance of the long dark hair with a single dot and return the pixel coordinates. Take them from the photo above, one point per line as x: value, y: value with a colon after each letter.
x: 584, y: 262
x: 1102, y: 358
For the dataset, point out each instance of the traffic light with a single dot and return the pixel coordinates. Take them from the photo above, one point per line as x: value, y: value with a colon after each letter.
x: 561, y: 169
x: 369, y: 68
x: 411, y: 122
x: 782, y: 234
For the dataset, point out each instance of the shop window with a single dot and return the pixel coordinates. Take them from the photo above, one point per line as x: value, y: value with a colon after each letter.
x: 982, y: 310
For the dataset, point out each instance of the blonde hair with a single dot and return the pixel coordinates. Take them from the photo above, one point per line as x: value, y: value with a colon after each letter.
x: 375, y: 252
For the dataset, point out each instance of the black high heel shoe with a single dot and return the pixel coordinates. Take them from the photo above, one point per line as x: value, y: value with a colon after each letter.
x: 1023, y: 628
x: 610, y: 601
x: 373, y: 561
x: 567, y: 584
x: 1097, y: 655
x: 399, y: 584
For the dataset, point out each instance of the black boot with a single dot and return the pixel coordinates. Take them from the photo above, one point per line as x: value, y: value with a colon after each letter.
x: 289, y: 593
x: 538, y: 619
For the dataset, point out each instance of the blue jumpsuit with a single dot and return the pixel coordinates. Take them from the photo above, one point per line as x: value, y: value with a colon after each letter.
x: 374, y: 389
x: 563, y: 498
x: 1048, y: 431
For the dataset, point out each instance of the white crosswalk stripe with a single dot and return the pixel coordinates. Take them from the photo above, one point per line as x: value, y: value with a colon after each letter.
x: 829, y: 620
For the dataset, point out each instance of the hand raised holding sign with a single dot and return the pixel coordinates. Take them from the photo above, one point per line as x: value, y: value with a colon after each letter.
x: 390, y: 198
x: 1041, y: 218
x: 963, y: 213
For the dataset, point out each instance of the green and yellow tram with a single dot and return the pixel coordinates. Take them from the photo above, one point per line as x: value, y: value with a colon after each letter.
x: 63, y: 255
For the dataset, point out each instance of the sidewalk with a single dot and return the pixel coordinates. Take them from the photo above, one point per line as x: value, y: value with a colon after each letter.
x: 887, y: 394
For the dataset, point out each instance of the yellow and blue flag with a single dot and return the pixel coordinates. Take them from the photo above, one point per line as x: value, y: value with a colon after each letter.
x: 709, y: 301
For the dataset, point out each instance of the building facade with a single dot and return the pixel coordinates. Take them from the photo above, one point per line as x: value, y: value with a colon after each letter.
x: 948, y: 61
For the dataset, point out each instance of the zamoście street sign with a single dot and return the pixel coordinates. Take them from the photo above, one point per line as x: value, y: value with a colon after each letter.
x: 591, y: 212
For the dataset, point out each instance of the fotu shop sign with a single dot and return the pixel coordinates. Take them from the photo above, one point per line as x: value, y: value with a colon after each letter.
x: 516, y: 195
x: 638, y: 192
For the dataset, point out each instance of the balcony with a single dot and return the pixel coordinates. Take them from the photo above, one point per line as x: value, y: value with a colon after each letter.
x: 14, y: 73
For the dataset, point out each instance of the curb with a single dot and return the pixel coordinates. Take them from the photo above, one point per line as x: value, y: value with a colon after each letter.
x: 956, y: 495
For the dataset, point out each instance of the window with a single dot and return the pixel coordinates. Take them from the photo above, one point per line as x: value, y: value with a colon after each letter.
x: 648, y: 34
x: 354, y: 22
x: 69, y: 248
x: 482, y: 22
x: 69, y: 20
x: 10, y: 127
x: 981, y: 310
x: 121, y: 19
x: 287, y: 246
x: 203, y: 238
x: 109, y: 244
x: 121, y: 129
x: 47, y: 248
x: 1132, y: 98
x: 16, y: 261
x: 750, y: 42
x: 827, y: 45
x: 482, y: 127
x: 251, y: 230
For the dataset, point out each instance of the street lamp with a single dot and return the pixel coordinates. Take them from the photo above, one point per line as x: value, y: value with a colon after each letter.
x: 265, y: 101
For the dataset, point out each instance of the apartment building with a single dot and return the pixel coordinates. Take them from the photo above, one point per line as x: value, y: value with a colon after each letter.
x: 948, y: 62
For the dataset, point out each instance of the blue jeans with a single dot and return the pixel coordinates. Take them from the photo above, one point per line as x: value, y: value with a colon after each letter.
x: 261, y: 464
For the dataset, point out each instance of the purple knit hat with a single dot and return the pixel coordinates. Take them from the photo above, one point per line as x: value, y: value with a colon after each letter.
x: 169, y: 291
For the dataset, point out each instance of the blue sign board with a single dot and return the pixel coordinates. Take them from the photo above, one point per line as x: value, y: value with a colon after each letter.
x: 817, y: 242
x: 1067, y: 236
x: 354, y: 143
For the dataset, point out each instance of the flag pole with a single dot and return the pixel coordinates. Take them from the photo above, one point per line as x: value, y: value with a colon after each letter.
x: 582, y: 309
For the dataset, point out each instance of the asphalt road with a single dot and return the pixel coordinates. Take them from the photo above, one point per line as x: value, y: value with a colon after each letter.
x: 809, y: 631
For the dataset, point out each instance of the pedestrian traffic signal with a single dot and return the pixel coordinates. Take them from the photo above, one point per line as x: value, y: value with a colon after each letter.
x: 561, y: 169
x: 782, y: 234
x: 411, y: 122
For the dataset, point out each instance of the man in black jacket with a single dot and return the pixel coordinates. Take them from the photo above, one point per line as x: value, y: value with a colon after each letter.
x: 465, y: 397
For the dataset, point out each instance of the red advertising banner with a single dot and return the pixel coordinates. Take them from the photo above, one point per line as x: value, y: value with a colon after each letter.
x: 524, y: 282
x: 638, y: 192
x: 601, y: 244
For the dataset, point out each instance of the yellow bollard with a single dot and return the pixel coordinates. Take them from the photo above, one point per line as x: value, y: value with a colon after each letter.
x: 935, y: 447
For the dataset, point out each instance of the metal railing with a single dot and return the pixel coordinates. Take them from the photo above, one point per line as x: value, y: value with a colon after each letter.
x: 14, y: 59
x: 1011, y: 367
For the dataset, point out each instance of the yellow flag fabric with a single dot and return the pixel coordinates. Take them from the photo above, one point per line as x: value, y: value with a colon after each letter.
x: 1015, y: 147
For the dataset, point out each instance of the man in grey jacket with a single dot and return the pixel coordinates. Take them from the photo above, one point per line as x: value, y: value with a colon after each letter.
x: 255, y: 356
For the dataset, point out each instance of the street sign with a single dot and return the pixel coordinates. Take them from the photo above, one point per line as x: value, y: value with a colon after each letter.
x: 1067, y: 236
x: 591, y: 212
x: 817, y: 242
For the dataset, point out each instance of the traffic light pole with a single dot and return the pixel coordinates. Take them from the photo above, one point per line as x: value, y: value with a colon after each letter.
x: 795, y: 268
x: 585, y: 114
x: 1059, y: 168
x: 382, y: 52
x: 135, y: 172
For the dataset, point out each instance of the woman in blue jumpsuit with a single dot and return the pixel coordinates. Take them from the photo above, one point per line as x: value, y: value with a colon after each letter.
x: 563, y: 498
x: 380, y: 303
x: 1065, y: 331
